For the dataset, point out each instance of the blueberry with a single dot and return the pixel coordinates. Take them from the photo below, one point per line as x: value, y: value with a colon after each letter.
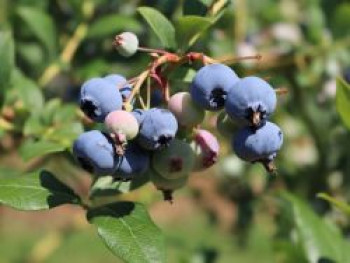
x: 139, y: 114
x: 157, y: 129
x: 206, y: 148
x: 95, y: 152
x: 251, y: 101
x: 186, y: 112
x: 346, y: 75
x: 121, y: 122
x: 126, y: 44
x: 99, y: 97
x: 174, y: 161
x: 258, y: 145
x: 134, y: 162
x: 156, y: 97
x: 121, y: 83
x: 211, y: 84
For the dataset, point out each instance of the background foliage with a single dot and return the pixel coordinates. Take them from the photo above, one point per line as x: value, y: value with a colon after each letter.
x: 233, y: 213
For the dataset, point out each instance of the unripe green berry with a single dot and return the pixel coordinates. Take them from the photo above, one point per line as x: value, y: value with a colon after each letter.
x: 174, y: 161
x: 126, y: 44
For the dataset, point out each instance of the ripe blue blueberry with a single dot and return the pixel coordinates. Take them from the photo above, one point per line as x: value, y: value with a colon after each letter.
x: 121, y: 83
x: 251, y: 101
x: 258, y: 145
x: 99, y: 97
x: 95, y: 152
x: 134, y: 162
x: 139, y: 114
x: 157, y: 129
x: 211, y: 84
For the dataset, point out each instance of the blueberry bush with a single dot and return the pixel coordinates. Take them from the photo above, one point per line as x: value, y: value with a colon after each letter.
x: 240, y: 108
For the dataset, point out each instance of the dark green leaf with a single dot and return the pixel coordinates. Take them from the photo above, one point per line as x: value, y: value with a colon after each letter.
x: 160, y: 25
x: 109, y: 25
x: 32, y: 149
x: 7, y: 62
x: 128, y: 231
x: 35, y: 191
x: 105, y: 186
x: 28, y: 91
x: 196, y: 7
x: 41, y: 25
x: 342, y: 101
x: 318, y: 238
x: 189, y: 29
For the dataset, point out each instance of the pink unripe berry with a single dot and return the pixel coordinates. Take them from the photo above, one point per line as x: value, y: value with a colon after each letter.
x: 206, y: 148
x: 186, y: 112
x: 123, y: 123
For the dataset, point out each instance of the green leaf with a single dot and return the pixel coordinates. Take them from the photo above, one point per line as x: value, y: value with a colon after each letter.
x: 183, y: 74
x: 28, y: 91
x: 342, y: 206
x: 189, y: 29
x: 42, y: 26
x: 35, y: 191
x: 342, y: 101
x: 196, y: 7
x: 128, y: 231
x: 32, y: 149
x: 106, y: 186
x: 318, y: 238
x: 109, y: 25
x: 160, y: 25
x: 7, y: 62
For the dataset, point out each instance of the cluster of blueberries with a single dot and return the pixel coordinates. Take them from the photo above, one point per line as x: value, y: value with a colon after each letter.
x: 248, y: 103
x: 152, y: 141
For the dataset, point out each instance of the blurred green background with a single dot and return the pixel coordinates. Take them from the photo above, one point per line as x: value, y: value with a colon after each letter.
x: 230, y: 213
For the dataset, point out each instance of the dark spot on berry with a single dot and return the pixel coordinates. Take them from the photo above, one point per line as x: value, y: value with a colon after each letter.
x: 85, y: 165
x: 218, y: 98
x: 280, y: 134
x: 164, y: 140
x: 89, y: 108
x: 175, y: 164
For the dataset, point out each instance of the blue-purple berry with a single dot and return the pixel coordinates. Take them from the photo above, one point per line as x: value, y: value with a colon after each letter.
x: 211, y: 84
x: 99, y: 97
x: 134, y: 162
x: 157, y: 129
x: 95, y: 152
x: 258, y: 145
x: 121, y: 83
x: 251, y: 101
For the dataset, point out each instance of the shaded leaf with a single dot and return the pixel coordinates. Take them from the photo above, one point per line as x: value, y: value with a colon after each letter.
x: 42, y: 26
x: 342, y: 206
x: 7, y: 62
x: 160, y: 25
x: 109, y: 25
x: 342, y: 101
x: 189, y: 29
x: 196, y: 7
x: 35, y: 191
x: 128, y: 231
x: 28, y: 91
x: 32, y: 149
x: 318, y: 238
